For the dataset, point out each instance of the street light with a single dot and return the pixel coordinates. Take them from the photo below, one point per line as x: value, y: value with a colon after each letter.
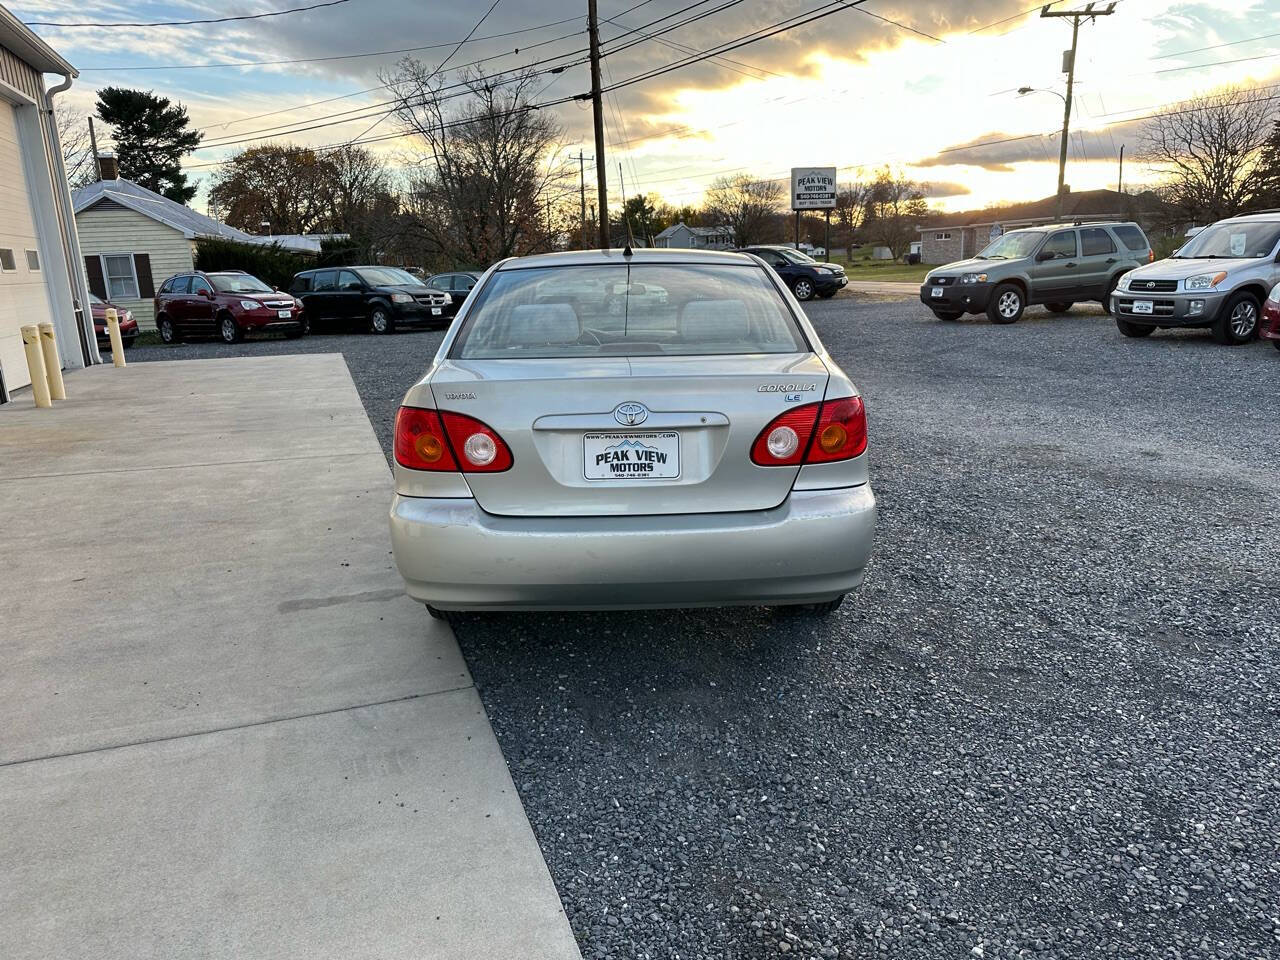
x: 1062, y: 149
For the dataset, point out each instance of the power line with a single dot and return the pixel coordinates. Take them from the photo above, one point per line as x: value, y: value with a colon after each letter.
x: 901, y: 26
x: 187, y: 23
x: 1216, y: 46
x: 1016, y: 16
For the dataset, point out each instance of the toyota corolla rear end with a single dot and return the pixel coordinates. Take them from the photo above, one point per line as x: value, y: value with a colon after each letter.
x: 560, y: 455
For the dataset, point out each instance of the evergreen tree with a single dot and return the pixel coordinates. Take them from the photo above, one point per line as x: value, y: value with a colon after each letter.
x: 152, y: 135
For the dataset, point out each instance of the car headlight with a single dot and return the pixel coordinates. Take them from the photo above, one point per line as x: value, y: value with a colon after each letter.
x: 448, y: 299
x: 250, y: 305
x: 1204, y: 281
x: 401, y: 298
x: 826, y: 270
x: 128, y: 316
x: 974, y: 278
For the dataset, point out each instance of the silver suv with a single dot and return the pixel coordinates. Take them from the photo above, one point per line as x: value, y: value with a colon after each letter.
x: 1219, y: 279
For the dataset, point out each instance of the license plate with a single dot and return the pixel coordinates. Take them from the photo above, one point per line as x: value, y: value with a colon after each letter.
x: 936, y: 292
x: 631, y: 456
x: 284, y: 314
x: 435, y: 311
x: 1144, y: 306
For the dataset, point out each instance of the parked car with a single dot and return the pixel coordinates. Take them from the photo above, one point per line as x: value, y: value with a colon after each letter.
x: 707, y: 453
x: 226, y: 304
x: 805, y: 276
x: 128, y: 325
x: 1271, y: 317
x: 458, y: 285
x: 1057, y: 265
x: 1218, y: 279
x: 380, y: 299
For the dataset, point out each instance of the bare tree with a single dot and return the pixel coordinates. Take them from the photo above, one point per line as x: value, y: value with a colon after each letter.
x: 1210, y: 151
x: 77, y: 152
x: 747, y: 205
x: 851, y: 209
x: 490, y: 178
x: 894, y: 209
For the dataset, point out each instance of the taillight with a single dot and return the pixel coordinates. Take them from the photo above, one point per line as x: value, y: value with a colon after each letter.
x: 815, y: 433
x: 445, y: 441
x: 478, y: 447
x: 1151, y: 256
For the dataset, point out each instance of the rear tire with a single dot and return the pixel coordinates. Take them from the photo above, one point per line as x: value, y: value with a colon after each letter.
x: 168, y: 332
x: 229, y: 330
x: 1134, y: 330
x: 1059, y: 306
x: 825, y: 609
x: 948, y: 315
x: 444, y: 616
x: 1237, y: 322
x: 1006, y: 305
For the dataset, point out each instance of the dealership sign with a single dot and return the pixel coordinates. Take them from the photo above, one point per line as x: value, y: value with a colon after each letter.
x: 813, y: 188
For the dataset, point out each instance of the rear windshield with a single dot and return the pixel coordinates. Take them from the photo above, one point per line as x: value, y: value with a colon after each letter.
x: 638, y: 311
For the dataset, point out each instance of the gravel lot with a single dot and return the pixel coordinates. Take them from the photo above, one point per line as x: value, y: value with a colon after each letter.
x: 1046, y: 726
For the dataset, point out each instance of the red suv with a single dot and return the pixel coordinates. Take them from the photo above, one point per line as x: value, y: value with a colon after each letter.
x: 226, y: 304
x: 128, y: 325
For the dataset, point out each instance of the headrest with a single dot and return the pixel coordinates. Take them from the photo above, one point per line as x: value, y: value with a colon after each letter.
x: 714, y: 320
x: 543, y: 323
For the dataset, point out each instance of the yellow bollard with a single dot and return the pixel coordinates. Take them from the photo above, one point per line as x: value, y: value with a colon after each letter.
x: 117, y: 345
x: 52, y: 363
x: 35, y: 365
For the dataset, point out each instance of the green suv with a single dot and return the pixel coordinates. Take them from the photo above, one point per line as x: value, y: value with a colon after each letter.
x: 1056, y: 265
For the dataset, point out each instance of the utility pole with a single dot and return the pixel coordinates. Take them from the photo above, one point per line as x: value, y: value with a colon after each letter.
x: 597, y: 111
x: 1088, y: 12
x: 582, y: 200
x: 93, y: 145
x: 1120, y: 181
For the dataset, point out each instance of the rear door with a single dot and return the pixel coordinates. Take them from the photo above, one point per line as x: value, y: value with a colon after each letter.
x: 1098, y: 255
x: 1057, y: 268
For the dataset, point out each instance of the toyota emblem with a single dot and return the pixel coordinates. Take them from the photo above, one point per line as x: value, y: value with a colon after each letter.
x: 630, y: 414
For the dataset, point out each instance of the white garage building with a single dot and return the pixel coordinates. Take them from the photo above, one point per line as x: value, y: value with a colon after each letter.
x: 38, y: 241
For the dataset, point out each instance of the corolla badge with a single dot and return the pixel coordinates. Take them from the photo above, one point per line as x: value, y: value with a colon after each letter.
x: 630, y: 413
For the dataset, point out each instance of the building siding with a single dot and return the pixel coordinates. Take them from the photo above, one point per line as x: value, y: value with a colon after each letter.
x: 109, y: 227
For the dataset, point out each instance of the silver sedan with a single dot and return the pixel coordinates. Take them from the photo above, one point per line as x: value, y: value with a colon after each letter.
x: 695, y: 447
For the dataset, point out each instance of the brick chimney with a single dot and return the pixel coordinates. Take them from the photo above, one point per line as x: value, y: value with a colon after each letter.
x: 108, y: 168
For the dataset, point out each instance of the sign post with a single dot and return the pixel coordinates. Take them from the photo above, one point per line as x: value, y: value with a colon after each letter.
x: 813, y: 188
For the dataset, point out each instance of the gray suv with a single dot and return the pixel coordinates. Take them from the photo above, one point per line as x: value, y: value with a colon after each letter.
x: 1055, y: 265
x: 1219, y: 279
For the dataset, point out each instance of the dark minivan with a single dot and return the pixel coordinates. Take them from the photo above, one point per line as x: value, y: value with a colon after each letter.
x: 378, y: 299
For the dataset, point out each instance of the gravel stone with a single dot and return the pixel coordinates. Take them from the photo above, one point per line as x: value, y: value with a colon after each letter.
x: 1045, y: 727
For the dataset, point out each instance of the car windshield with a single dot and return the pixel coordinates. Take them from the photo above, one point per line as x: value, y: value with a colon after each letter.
x: 386, y: 277
x: 1012, y: 246
x: 795, y: 256
x: 93, y: 298
x: 237, y: 283
x: 628, y: 310
x: 1231, y: 240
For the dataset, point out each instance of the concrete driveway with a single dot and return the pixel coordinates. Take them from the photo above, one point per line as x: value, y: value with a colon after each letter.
x: 226, y: 732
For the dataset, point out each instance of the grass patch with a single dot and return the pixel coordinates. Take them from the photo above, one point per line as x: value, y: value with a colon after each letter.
x: 861, y: 269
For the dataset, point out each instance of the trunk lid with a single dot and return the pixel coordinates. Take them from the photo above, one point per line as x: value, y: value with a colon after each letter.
x: 702, y: 413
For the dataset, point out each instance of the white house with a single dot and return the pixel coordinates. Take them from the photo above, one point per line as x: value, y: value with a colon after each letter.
x: 133, y: 239
x: 40, y: 277
x: 695, y: 238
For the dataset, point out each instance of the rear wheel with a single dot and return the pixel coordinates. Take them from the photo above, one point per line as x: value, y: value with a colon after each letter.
x: 1007, y: 304
x: 1133, y: 329
x: 1238, y: 321
x: 1059, y: 306
x: 825, y: 609
x: 444, y: 616
x: 228, y: 329
x: 168, y: 333
x: 803, y: 289
x: 380, y: 321
x: 948, y: 314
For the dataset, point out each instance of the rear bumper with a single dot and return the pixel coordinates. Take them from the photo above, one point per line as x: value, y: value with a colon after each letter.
x: 811, y: 548
x: 1170, y: 309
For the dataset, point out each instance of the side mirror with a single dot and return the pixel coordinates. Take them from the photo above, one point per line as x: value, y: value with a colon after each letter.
x: 207, y: 293
x: 1043, y: 255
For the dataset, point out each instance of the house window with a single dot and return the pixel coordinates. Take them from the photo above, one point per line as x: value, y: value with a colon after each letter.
x: 6, y: 260
x: 942, y: 236
x: 122, y: 282
x: 33, y: 261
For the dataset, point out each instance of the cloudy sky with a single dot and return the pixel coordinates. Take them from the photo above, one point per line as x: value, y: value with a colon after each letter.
x: 922, y: 85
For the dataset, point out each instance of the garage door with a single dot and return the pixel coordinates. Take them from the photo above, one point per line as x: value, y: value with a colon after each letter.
x: 22, y: 292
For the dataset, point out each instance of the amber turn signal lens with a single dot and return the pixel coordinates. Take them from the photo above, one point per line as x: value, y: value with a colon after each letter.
x: 832, y: 438
x: 429, y: 448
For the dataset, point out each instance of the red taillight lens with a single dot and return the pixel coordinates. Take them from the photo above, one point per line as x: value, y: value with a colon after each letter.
x: 441, y: 440
x: 420, y: 441
x: 1151, y: 256
x: 842, y: 431
x: 815, y: 433
x: 477, y: 446
x: 784, y: 439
